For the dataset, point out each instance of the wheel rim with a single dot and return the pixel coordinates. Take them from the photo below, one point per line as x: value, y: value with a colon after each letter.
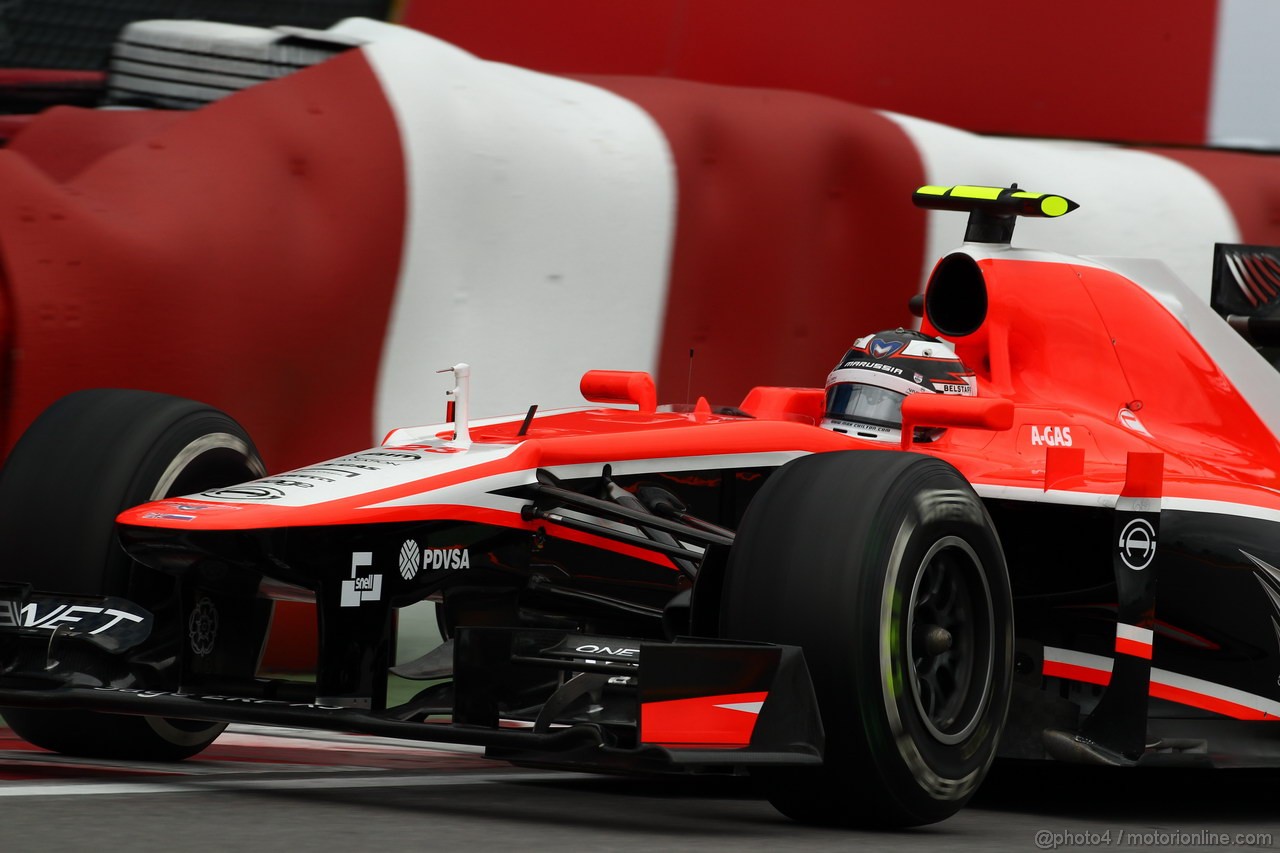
x: 207, y: 461
x: 211, y: 459
x: 950, y: 640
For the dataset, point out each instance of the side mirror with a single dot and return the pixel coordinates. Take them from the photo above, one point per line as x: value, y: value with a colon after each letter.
x: 945, y: 410
x: 620, y: 386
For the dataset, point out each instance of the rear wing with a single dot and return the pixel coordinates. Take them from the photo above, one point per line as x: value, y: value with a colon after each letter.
x: 1246, y: 290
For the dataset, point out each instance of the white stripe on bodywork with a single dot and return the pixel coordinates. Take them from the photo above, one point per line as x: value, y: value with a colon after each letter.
x: 1133, y: 633
x: 479, y: 493
x: 325, y: 482
x: 1098, y: 663
x: 1222, y: 508
x: 540, y: 218
x: 745, y: 707
x: 356, y: 474
x: 1105, y: 501
x: 1132, y: 203
x: 1029, y: 494
x: 1128, y: 504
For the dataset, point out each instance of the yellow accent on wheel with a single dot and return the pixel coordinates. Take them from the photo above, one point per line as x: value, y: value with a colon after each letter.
x: 931, y: 190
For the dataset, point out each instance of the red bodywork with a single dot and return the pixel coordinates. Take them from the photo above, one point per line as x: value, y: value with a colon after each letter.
x: 1092, y: 391
x: 1081, y: 352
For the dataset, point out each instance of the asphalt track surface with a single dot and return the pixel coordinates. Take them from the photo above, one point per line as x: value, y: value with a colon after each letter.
x: 268, y: 789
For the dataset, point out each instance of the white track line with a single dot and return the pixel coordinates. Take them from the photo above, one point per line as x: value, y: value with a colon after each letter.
x: 189, y: 785
x: 248, y: 735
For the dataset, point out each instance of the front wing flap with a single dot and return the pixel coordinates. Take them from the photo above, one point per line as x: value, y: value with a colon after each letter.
x: 687, y: 704
x: 604, y: 703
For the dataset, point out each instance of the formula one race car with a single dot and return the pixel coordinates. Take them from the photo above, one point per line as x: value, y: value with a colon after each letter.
x: 650, y: 589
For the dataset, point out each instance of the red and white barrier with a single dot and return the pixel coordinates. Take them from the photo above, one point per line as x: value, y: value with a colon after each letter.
x: 307, y: 252
x: 1141, y: 71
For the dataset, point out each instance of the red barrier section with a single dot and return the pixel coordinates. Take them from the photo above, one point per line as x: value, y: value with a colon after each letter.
x: 64, y: 140
x: 245, y: 254
x: 1248, y: 183
x: 793, y: 235
x: 1093, y: 69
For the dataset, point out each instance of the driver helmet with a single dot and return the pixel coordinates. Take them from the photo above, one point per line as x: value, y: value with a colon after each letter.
x: 866, y: 389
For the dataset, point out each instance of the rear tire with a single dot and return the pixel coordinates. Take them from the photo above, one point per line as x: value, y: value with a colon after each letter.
x: 89, y: 456
x: 884, y: 566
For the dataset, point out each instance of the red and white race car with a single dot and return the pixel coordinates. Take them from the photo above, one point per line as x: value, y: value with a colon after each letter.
x: 1066, y: 549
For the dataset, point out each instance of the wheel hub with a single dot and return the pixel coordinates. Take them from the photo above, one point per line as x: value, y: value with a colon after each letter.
x: 933, y: 640
x: 950, y: 640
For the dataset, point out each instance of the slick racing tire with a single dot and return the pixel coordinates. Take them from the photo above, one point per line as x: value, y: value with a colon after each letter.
x: 885, y: 568
x: 86, y: 458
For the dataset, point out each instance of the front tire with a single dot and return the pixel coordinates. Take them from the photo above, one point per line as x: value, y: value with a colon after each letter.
x: 885, y: 567
x: 89, y: 456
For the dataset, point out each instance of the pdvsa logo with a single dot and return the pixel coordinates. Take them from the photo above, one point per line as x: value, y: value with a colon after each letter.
x: 437, y: 559
x: 414, y: 559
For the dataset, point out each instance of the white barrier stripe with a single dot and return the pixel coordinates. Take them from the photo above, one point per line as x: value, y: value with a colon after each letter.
x: 1134, y: 183
x: 538, y: 234
x: 1245, y: 63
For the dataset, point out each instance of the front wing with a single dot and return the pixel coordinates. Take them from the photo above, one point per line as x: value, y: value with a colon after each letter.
x: 540, y: 696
